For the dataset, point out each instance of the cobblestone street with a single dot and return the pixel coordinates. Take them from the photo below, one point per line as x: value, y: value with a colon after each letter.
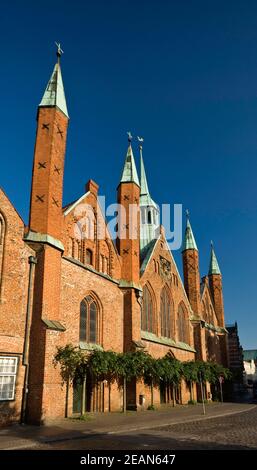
x: 231, y: 432
x: 237, y: 431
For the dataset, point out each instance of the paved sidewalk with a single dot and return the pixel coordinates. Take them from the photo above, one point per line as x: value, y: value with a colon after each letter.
x: 25, y: 437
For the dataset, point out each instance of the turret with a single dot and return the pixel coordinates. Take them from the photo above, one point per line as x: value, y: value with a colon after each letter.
x: 44, y: 235
x: 191, y: 269
x: 215, y: 282
x: 128, y: 240
x: 49, y: 155
x: 150, y: 214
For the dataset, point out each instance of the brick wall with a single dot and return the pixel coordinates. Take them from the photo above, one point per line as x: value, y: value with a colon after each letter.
x: 158, y: 279
x: 13, y: 299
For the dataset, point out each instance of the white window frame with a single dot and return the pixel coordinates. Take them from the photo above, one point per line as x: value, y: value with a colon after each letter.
x: 9, y: 374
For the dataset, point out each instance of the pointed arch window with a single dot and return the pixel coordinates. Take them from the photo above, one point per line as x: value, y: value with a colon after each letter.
x: 182, y: 324
x: 89, y: 257
x: 166, y: 314
x: 88, y: 320
x: 147, y: 313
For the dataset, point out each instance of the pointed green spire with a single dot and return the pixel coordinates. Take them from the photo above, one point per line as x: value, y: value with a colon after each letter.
x: 143, y: 180
x: 214, y: 267
x: 129, y: 174
x: 189, y: 240
x: 145, y: 197
x: 54, y: 93
x: 150, y: 212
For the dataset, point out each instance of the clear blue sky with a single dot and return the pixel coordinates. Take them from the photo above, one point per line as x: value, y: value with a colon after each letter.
x: 181, y: 73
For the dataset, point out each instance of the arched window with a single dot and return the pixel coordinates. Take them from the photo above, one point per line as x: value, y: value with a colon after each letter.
x: 147, y: 320
x: 89, y: 257
x: 182, y: 323
x: 149, y: 216
x: 165, y: 313
x: 88, y: 320
x: 2, y: 241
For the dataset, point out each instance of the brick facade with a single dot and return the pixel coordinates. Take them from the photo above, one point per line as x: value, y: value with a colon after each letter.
x: 13, y: 299
x: 77, y: 261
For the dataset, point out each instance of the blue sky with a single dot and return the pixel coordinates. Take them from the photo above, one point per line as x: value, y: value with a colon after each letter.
x: 181, y: 73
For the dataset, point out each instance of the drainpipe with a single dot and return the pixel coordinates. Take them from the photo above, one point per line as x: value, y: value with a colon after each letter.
x: 25, y: 357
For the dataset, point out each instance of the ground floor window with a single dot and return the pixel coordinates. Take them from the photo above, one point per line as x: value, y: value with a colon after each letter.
x: 8, y: 371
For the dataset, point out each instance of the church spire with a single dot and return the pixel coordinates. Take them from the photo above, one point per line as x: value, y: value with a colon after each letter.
x: 191, y: 271
x: 54, y: 93
x: 214, y: 267
x: 150, y: 217
x: 49, y: 155
x: 189, y: 240
x: 143, y: 180
x: 129, y: 174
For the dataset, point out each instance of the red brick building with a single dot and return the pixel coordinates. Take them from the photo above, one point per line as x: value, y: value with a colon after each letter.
x: 63, y: 279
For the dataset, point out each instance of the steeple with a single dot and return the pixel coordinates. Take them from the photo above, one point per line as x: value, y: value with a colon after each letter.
x: 189, y: 240
x: 54, y: 93
x: 128, y: 246
x: 150, y: 217
x: 214, y: 267
x: 128, y: 223
x: 47, y: 182
x: 143, y: 180
x: 45, y: 237
x: 191, y: 269
x: 129, y: 174
x: 215, y: 282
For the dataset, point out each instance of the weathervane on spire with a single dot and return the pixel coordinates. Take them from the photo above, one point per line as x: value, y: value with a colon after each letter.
x: 129, y: 136
x: 59, y: 51
x: 211, y: 243
x: 187, y: 214
x: 140, y: 140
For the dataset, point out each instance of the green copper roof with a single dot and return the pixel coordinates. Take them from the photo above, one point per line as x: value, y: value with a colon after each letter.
x: 143, y: 180
x: 145, y: 197
x: 250, y: 354
x: 54, y: 94
x: 129, y: 173
x: 214, y: 267
x: 146, y: 335
x: 189, y: 240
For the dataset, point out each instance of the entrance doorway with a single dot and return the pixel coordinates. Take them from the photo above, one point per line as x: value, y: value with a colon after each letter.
x: 94, y: 396
x: 170, y: 394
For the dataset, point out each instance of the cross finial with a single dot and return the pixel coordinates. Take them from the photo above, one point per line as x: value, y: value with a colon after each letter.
x: 187, y: 214
x: 140, y: 140
x: 59, y: 51
x: 129, y: 136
